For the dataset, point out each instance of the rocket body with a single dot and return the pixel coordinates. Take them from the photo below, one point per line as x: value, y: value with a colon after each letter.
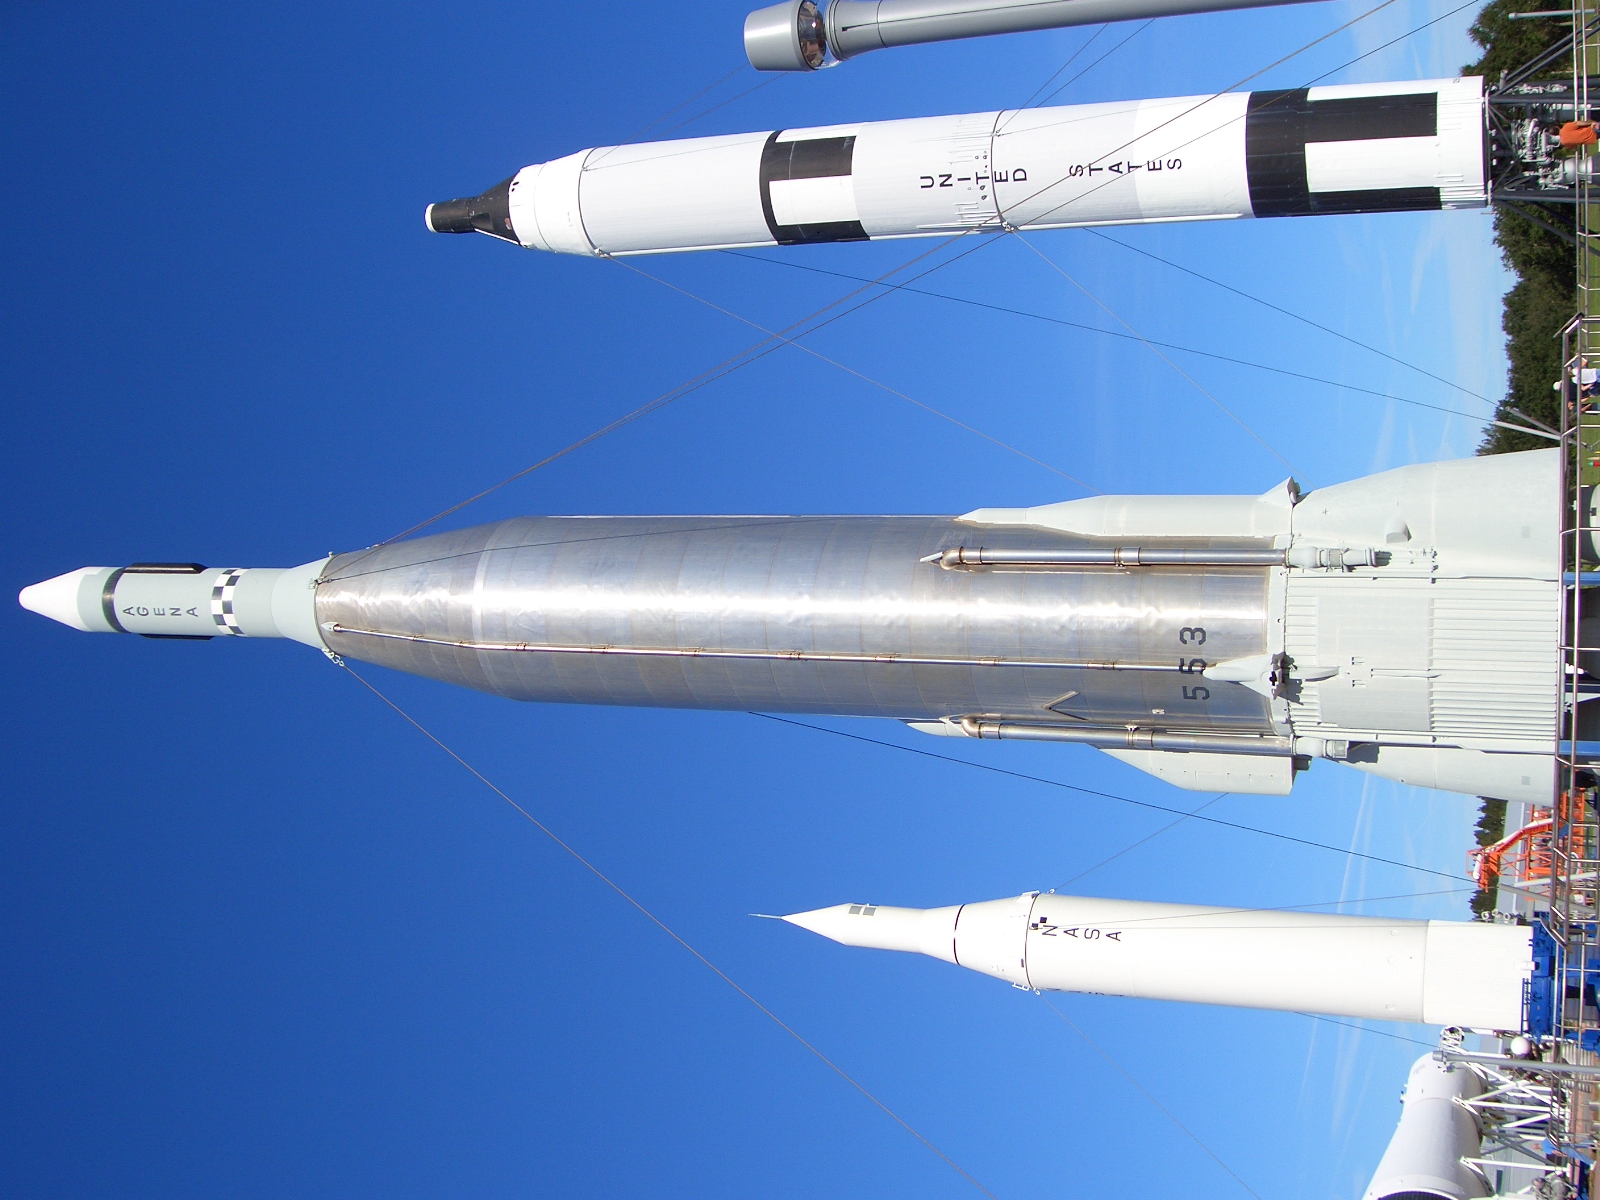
x: 1435, y: 1133
x: 1406, y: 624
x: 795, y: 36
x: 183, y: 600
x: 1435, y: 972
x: 835, y: 615
x: 1346, y: 149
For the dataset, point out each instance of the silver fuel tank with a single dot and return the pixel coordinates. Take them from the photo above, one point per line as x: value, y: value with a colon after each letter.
x: 852, y: 615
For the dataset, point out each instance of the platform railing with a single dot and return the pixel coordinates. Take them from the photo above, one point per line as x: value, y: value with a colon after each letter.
x: 1569, y: 1128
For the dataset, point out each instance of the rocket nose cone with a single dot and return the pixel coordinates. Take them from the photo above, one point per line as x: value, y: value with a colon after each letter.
x: 880, y: 927
x: 489, y: 213
x: 826, y: 921
x: 58, y: 598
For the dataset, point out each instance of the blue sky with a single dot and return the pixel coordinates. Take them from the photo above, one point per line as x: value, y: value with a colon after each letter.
x: 263, y: 939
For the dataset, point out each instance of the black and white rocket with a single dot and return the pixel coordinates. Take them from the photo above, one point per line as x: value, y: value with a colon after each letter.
x: 1383, y: 147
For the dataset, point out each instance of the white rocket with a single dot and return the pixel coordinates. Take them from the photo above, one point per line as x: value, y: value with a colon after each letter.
x: 1436, y: 1132
x: 1382, y: 147
x: 1406, y: 624
x: 1468, y: 974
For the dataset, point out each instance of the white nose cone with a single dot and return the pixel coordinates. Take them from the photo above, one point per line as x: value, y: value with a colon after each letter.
x: 58, y: 598
x: 881, y: 927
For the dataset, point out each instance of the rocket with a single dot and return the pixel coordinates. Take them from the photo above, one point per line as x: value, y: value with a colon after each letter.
x: 1406, y: 624
x: 1383, y: 147
x: 1437, y: 1131
x: 1467, y: 974
x: 798, y: 36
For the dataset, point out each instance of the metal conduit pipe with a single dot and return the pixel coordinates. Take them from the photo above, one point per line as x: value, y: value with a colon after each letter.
x: 1129, y: 739
x: 810, y: 656
x: 960, y: 557
x: 794, y: 35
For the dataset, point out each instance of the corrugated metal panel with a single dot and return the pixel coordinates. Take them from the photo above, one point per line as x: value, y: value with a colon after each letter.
x: 1492, y: 666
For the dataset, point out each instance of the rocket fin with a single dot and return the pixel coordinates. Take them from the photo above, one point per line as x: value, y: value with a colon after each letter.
x: 1201, y: 772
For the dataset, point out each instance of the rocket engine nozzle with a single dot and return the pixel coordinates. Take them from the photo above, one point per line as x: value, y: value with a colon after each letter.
x: 487, y: 213
x: 786, y: 37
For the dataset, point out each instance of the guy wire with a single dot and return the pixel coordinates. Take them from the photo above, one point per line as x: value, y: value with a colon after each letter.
x: 664, y: 927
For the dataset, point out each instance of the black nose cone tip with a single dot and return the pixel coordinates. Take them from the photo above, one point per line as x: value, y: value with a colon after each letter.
x: 489, y: 213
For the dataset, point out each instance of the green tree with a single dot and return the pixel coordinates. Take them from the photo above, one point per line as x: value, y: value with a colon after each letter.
x: 1545, y: 296
x: 1508, y: 44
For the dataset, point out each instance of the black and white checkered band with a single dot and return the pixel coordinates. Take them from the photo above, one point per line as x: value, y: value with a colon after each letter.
x: 222, y: 600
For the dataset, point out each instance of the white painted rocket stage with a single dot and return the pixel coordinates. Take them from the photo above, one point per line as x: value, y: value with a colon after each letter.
x: 1434, y: 972
x: 1383, y: 147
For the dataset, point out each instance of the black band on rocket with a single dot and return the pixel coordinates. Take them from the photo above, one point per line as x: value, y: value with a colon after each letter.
x: 816, y: 158
x: 108, y: 600
x: 1279, y: 124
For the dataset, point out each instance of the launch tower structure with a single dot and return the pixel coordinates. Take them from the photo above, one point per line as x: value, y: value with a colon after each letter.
x: 1537, y: 1102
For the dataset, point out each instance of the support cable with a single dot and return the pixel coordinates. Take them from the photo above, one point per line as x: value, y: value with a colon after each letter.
x: 727, y: 366
x: 1075, y: 55
x: 1194, y: 108
x: 1026, y: 104
x: 1145, y: 1092
x: 1228, y: 412
x: 817, y: 354
x: 665, y: 928
x: 744, y: 358
x: 1149, y: 837
x: 1071, y: 787
x: 1231, y: 120
x: 1294, y: 316
x: 1205, y: 100
x: 723, y: 103
x: 677, y: 108
x: 1140, y: 28
x: 987, y: 226
x: 1399, y: 1037
x: 1113, y: 333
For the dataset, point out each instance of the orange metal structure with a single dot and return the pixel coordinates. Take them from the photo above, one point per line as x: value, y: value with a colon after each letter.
x: 1525, y: 854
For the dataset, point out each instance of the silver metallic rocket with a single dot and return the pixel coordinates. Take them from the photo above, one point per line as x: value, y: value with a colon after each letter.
x: 797, y: 35
x: 1404, y: 624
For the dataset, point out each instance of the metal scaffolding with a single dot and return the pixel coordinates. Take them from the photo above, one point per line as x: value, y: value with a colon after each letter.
x: 1544, y: 1106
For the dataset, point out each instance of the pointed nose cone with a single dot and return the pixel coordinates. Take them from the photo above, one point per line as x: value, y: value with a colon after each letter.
x: 58, y: 599
x: 880, y: 927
